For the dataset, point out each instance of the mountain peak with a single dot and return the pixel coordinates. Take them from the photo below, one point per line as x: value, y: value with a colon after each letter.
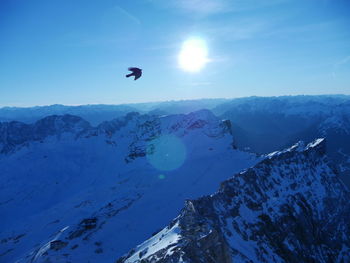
x: 317, y: 146
x: 58, y: 122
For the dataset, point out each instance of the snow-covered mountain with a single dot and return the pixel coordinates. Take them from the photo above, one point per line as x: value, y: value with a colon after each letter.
x: 70, y: 192
x: 260, y: 124
x: 290, y: 207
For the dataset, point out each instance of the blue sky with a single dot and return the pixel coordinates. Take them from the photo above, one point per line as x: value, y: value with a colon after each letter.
x: 78, y: 51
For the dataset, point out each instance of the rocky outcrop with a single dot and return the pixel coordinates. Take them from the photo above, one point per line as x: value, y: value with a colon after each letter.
x: 57, y: 244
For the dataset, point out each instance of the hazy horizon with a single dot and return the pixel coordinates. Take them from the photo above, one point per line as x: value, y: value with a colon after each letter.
x: 174, y: 100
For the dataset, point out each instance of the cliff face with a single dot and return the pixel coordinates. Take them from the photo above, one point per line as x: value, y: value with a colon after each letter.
x: 290, y: 207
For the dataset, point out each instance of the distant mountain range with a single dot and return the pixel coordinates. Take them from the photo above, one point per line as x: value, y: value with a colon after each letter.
x: 96, y: 114
x: 263, y: 125
x: 259, y: 124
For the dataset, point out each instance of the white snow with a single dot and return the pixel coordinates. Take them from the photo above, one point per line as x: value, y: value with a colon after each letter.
x: 161, y: 240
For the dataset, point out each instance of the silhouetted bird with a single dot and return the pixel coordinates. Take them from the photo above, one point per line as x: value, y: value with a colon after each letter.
x: 136, y: 72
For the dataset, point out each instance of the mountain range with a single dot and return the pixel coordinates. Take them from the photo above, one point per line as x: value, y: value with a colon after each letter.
x: 243, y: 180
x: 259, y: 124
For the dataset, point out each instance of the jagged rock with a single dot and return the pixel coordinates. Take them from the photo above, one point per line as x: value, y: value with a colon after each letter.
x: 84, y: 226
x: 57, y: 244
x: 89, y: 223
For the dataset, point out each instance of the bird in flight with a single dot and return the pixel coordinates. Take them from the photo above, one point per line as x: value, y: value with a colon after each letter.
x: 136, y: 72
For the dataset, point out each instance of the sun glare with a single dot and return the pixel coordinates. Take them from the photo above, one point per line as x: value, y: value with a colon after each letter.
x: 193, y: 55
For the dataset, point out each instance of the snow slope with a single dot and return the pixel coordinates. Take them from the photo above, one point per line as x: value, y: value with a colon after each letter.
x: 70, y: 192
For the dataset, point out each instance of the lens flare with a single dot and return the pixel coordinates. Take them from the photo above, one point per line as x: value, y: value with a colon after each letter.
x: 166, y: 153
x: 193, y: 55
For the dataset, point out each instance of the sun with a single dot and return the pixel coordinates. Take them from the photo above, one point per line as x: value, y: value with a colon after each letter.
x: 193, y: 55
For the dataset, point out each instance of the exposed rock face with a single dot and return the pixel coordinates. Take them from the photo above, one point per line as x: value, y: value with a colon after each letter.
x: 84, y: 226
x: 291, y: 207
x: 57, y: 244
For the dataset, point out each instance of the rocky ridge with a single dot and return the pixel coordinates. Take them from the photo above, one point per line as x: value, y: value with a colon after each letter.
x: 290, y: 207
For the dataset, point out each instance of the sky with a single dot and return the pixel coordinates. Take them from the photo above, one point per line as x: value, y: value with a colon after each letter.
x: 78, y: 51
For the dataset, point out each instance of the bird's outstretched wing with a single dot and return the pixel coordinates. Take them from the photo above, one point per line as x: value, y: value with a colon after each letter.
x: 136, y: 72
